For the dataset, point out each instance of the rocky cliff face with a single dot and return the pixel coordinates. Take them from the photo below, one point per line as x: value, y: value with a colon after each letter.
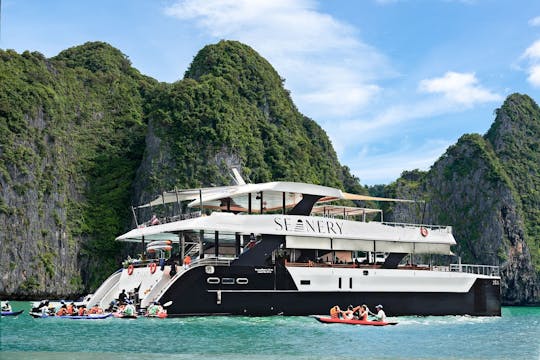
x: 71, y: 128
x: 487, y: 188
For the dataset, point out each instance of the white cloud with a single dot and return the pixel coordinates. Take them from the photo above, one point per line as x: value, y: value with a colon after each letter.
x: 534, y: 75
x: 328, y: 68
x: 532, y: 55
x: 533, y: 51
x: 459, y: 88
x: 535, y: 21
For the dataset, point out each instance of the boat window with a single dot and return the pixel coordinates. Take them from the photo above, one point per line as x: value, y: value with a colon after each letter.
x: 350, y: 283
x: 305, y: 282
x: 213, y: 280
x: 339, y: 283
x: 226, y: 244
x: 227, y: 281
x: 366, y: 272
x: 242, y: 281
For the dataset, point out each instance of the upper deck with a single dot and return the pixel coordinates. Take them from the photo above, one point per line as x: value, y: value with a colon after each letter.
x: 304, y: 214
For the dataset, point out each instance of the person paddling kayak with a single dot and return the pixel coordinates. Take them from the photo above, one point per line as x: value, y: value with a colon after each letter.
x: 381, y: 315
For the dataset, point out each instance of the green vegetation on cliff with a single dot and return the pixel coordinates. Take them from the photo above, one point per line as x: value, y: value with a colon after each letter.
x: 231, y: 108
x: 72, y: 135
x: 515, y: 136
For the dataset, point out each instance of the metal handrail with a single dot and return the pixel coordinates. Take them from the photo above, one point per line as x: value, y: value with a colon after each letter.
x: 210, y: 261
x: 488, y: 270
x: 431, y: 227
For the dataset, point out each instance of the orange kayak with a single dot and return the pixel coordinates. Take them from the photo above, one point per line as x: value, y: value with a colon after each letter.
x: 329, y: 320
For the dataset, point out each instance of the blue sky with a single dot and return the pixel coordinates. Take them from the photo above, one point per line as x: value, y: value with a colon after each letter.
x: 393, y: 82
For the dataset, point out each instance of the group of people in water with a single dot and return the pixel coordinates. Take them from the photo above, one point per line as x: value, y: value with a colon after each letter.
x: 360, y: 312
x: 126, y: 305
x: 123, y: 306
x: 65, y: 309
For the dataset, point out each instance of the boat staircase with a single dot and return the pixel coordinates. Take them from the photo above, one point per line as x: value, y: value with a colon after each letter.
x: 110, y: 286
x: 159, y: 288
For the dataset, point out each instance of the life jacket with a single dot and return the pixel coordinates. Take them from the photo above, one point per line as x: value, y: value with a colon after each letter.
x: 62, y: 312
x: 334, y: 312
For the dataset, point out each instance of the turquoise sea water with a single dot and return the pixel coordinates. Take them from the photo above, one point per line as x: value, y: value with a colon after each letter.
x: 515, y: 335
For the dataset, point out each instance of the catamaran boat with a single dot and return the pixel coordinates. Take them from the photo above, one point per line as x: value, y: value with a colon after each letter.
x: 287, y: 248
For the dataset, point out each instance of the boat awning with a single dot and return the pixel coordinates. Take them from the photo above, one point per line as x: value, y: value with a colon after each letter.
x: 237, y: 196
x: 349, y: 196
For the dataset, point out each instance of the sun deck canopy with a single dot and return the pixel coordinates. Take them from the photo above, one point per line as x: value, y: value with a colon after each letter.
x: 266, y: 196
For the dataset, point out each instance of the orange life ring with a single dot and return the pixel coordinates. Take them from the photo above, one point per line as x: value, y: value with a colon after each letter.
x: 130, y: 269
x: 424, y: 231
x: 153, y: 268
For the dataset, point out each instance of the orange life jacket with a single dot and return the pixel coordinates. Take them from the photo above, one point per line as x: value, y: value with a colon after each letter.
x: 62, y: 312
x: 334, y: 312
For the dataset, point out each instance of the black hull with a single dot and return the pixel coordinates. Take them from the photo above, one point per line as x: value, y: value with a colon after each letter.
x: 192, y: 295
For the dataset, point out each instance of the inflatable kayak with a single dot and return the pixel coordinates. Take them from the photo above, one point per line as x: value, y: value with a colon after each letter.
x: 123, y: 316
x: 329, y: 320
x: 74, y: 317
x: 12, y: 313
x: 161, y: 315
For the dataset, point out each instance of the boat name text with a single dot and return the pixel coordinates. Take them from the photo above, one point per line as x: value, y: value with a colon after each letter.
x: 321, y: 226
x: 264, y: 271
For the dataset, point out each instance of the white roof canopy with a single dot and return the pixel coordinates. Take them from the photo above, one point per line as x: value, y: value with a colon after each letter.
x: 272, y: 196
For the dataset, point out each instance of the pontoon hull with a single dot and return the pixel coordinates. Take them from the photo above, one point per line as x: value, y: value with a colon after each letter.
x: 274, y: 293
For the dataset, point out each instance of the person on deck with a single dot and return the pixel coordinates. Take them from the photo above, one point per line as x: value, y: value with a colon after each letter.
x: 122, y: 297
x: 380, y: 316
x: 82, y: 310
x: 187, y: 261
x: 154, y: 220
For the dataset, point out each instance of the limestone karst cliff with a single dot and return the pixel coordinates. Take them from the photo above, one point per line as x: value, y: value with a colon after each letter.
x: 488, y: 188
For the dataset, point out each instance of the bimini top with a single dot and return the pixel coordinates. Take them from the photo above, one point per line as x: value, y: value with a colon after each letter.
x: 270, y: 195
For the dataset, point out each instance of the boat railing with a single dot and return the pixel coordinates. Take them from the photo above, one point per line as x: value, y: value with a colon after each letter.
x: 427, y: 226
x: 169, y: 219
x: 488, y: 270
x: 211, y: 261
